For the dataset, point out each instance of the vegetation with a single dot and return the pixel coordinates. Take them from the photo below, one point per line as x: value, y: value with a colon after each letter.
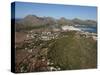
x: 40, y: 50
x: 72, y: 53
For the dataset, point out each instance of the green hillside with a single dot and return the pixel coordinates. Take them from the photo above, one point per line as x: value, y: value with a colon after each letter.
x: 73, y: 53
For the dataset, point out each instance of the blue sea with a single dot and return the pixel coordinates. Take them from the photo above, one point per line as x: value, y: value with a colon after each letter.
x: 88, y: 28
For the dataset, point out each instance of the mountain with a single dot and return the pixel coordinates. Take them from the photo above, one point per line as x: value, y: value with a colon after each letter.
x: 34, y: 22
x: 84, y: 22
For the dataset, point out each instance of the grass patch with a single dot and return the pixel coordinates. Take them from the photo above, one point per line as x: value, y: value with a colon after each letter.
x: 72, y: 53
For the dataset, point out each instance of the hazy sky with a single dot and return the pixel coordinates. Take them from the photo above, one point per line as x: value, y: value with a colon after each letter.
x: 68, y: 11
